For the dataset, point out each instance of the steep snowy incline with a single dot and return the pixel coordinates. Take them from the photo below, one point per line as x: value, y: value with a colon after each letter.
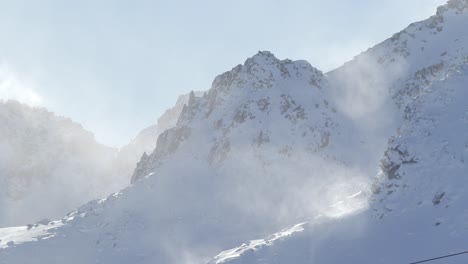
x: 418, y: 207
x: 427, y: 152
x: 405, y: 64
x: 255, y: 153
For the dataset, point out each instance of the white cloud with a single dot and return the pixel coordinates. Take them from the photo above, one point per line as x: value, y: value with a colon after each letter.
x: 13, y: 87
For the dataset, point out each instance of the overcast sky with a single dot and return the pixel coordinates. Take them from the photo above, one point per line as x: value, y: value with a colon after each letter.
x: 115, y: 66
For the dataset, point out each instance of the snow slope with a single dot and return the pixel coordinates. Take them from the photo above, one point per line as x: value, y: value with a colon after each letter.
x: 417, y: 209
x: 262, y: 138
x: 368, y: 158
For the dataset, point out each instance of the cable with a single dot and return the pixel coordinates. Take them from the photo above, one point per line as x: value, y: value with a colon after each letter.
x: 446, y: 256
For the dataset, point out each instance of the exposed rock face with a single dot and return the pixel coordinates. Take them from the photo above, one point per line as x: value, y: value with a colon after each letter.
x: 262, y: 92
x: 145, y: 141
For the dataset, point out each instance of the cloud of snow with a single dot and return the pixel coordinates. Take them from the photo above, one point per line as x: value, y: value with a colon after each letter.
x: 361, y: 87
x: 288, y: 190
x: 362, y: 91
x: 13, y: 87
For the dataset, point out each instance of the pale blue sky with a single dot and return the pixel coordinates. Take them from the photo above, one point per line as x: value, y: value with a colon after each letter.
x: 115, y: 66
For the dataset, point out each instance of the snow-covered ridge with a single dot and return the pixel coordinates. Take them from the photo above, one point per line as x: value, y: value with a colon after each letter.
x: 418, y: 207
x: 247, y: 91
x: 262, y: 70
x: 22, y: 234
x: 350, y: 205
x: 254, y: 245
x: 459, y: 6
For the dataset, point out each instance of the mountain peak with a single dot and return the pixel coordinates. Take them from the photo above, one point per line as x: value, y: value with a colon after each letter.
x: 262, y: 57
x: 264, y: 70
x: 458, y: 5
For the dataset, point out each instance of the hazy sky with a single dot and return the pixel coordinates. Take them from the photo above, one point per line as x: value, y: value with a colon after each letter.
x: 115, y: 66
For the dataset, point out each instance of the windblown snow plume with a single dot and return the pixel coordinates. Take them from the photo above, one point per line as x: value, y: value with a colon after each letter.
x: 361, y: 162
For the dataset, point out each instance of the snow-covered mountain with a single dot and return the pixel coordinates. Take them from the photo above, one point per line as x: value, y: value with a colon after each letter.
x: 418, y: 206
x: 364, y: 163
x: 262, y: 138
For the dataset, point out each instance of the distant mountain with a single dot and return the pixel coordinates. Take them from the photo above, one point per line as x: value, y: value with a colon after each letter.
x: 365, y: 164
x: 50, y: 165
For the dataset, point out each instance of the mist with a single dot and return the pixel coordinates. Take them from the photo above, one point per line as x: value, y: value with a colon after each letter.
x: 257, y: 165
x: 274, y: 147
x: 50, y: 165
x: 251, y: 167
